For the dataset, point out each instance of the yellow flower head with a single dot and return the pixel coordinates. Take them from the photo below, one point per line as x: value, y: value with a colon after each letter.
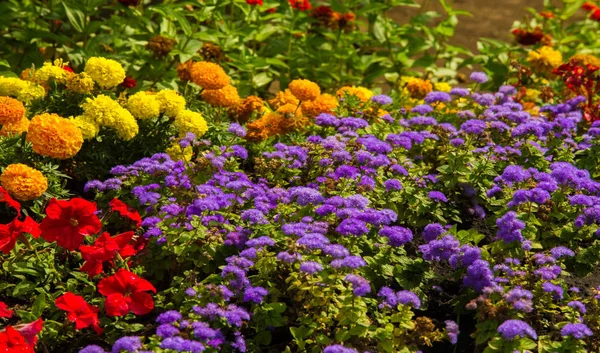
x: 23, y: 183
x: 17, y: 128
x: 545, y: 59
x: 104, y: 111
x: 89, y: 128
x: 304, y: 90
x: 180, y: 154
x: 24, y: 91
x: 417, y: 88
x: 242, y: 111
x: 585, y: 59
x: 81, y: 83
x: 283, y: 98
x: 171, y: 103
x: 362, y: 93
x: 53, y: 136
x: 143, y: 106
x: 189, y: 121
x: 55, y: 72
x: 11, y: 110
x: 325, y: 103
x: 31, y: 92
x: 108, y: 73
x: 208, y: 75
x: 442, y: 86
x: 224, y: 97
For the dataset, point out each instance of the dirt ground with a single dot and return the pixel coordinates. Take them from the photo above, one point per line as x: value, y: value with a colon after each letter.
x: 491, y: 18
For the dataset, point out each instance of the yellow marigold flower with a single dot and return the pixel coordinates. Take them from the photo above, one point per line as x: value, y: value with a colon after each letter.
x: 243, y: 111
x: 31, y: 92
x: 442, y: 86
x: 53, y: 136
x: 418, y: 88
x: 171, y: 103
x: 180, y: 154
x: 81, y: 83
x: 225, y: 97
x: 304, y: 90
x: 283, y: 98
x: 49, y: 71
x: 585, y: 59
x: 208, y: 75
x: 143, y: 106
x: 269, y: 125
x: 545, y: 59
x: 362, y: 93
x: 11, y: 86
x: 89, y: 128
x: 11, y: 110
x: 189, y: 121
x: 17, y: 128
x: 108, y: 73
x: 23, y: 183
x: 104, y: 111
x: 325, y: 103
x: 532, y: 94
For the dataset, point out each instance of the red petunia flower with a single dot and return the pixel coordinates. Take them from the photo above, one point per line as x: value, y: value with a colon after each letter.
x: 4, y: 311
x: 128, y: 82
x: 125, y: 292
x: 29, y: 331
x: 79, y: 311
x: 12, y: 203
x: 301, y: 5
x: 9, y: 233
x: 254, y: 2
x: 126, y: 211
x: 104, y: 249
x: 68, y: 222
x: 12, y: 341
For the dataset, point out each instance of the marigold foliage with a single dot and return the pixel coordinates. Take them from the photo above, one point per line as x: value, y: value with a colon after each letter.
x: 22, y: 182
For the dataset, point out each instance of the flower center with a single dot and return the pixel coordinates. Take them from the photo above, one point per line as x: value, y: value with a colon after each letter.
x: 74, y: 222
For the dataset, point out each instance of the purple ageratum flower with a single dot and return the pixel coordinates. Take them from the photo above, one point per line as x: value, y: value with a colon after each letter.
x: 166, y: 330
x: 237, y: 129
x: 406, y: 297
x: 440, y: 249
x: 397, y: 236
x: 561, y: 251
x: 555, y: 290
x: 352, y: 226
x: 382, y: 99
x: 336, y: 348
x: 437, y: 196
x: 305, y: 196
x: 515, y: 174
x: 473, y: 126
x: 361, y: 286
x: 437, y: 96
x: 520, y: 299
x: 129, y: 344
x: 92, y: 349
x: 336, y: 251
x: 509, y: 227
x: 479, y: 77
x: 461, y: 92
x: 452, y: 331
x: 255, y: 294
x: 422, y: 109
x: 260, y: 242
x: 325, y: 119
x: 510, y: 329
x: 577, y: 305
x: 457, y: 142
x: 579, y: 331
x: 432, y: 231
x: 313, y: 241
x: 479, y: 275
x: 169, y: 317
x: 311, y: 267
x: 392, y: 184
x: 254, y: 216
x: 289, y: 257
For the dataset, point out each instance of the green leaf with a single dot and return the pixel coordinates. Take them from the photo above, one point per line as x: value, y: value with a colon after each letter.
x: 39, y: 305
x: 76, y: 18
x: 261, y: 79
x: 23, y: 288
x: 4, y: 63
x: 571, y: 6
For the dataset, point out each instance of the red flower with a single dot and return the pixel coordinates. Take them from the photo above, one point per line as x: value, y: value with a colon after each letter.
x: 104, y: 249
x: 67, y: 68
x: 9, y: 233
x: 128, y: 82
x: 126, y: 211
x: 254, y: 2
x: 68, y: 222
x: 12, y: 203
x: 4, y: 311
x: 12, y: 341
x: 596, y: 15
x: 526, y: 37
x: 79, y: 311
x: 125, y: 292
x: 588, y: 6
x: 30, y: 331
x: 547, y: 14
x: 271, y: 10
x: 301, y: 5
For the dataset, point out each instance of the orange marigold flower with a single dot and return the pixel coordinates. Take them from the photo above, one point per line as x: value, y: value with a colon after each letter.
x: 23, y: 183
x: 418, y: 88
x: 325, y: 103
x: 225, y: 97
x: 363, y: 94
x: 269, y: 125
x: 53, y: 136
x: 209, y: 75
x: 243, y: 111
x: 283, y: 98
x: 184, y: 70
x: 11, y: 110
x: 304, y: 90
x: 17, y: 128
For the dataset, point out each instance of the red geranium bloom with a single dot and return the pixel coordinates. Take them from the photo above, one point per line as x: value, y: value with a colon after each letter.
x: 79, y: 311
x: 125, y: 292
x: 126, y: 211
x: 254, y: 2
x: 4, y: 311
x: 104, y: 249
x: 12, y: 203
x: 10, y: 232
x: 301, y: 5
x: 68, y: 222
x: 12, y: 341
x: 128, y: 82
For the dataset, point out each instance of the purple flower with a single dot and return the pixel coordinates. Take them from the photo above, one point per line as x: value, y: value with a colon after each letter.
x: 336, y: 348
x: 237, y: 129
x: 432, y: 231
x: 260, y: 242
x: 457, y: 91
x: 520, y: 299
x: 166, y: 330
x: 437, y: 196
x: 392, y: 184
x: 128, y: 343
x: 422, y: 109
x: 169, y: 317
x: 352, y: 226
x: 509, y: 227
x: 382, y: 99
x: 406, y: 297
x: 452, y: 331
x: 555, y: 290
x: 92, y: 349
x: 561, y: 251
x: 325, y: 119
x: 255, y: 294
x: 513, y: 328
x: 311, y: 267
x: 479, y: 275
x: 473, y: 126
x: 361, y: 286
x: 579, y: 331
x: 254, y: 216
x: 397, y: 236
x: 479, y: 77
x: 440, y: 249
x: 436, y: 96
x: 576, y: 304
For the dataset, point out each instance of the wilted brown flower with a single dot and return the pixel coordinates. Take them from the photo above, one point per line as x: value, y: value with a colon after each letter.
x: 160, y: 46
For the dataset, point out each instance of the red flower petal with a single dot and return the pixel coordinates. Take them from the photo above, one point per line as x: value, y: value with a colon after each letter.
x: 4, y: 311
x: 141, y: 303
x: 116, y: 305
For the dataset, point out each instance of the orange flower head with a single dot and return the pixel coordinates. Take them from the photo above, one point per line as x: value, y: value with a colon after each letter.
x: 209, y: 75
x: 325, y: 103
x: 283, y: 98
x: 304, y: 90
x: 11, y: 110
x: 225, y: 97
x: 53, y: 136
x: 242, y: 112
x: 17, y: 128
